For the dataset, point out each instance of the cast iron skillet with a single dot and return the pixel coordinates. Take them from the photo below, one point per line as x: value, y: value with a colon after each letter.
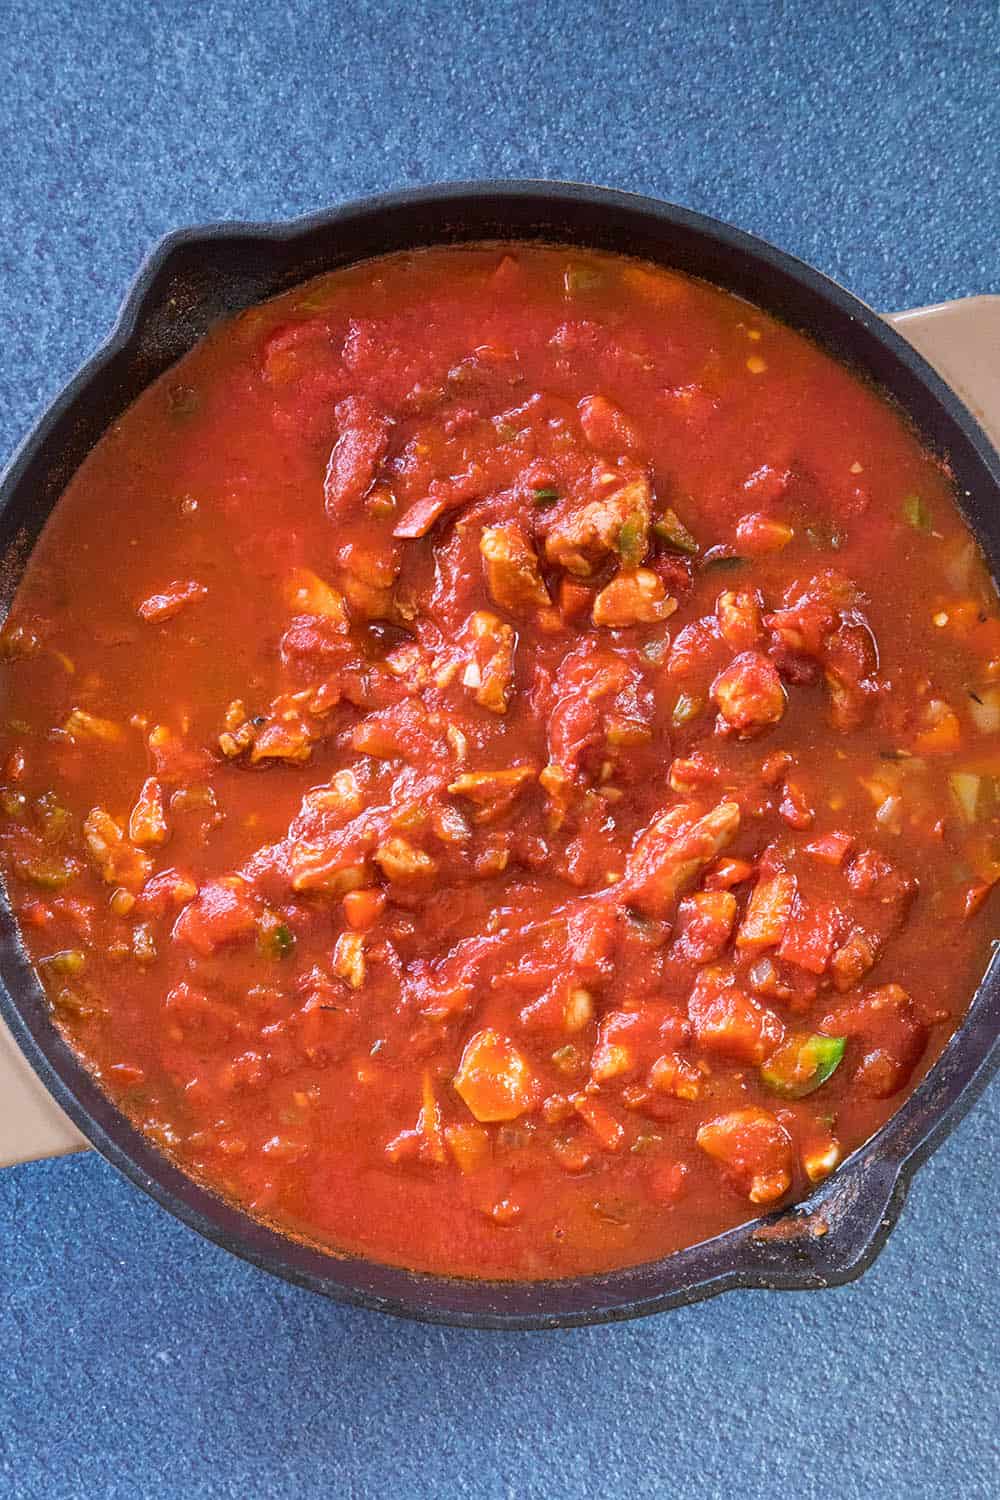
x: 197, y: 276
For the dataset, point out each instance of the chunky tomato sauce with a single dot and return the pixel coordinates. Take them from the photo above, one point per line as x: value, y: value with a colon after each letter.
x: 499, y: 761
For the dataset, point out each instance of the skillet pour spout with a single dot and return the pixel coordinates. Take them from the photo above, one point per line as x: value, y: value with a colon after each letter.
x: 197, y: 277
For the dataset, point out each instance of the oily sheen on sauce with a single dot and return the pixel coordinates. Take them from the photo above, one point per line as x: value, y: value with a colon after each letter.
x: 501, y: 761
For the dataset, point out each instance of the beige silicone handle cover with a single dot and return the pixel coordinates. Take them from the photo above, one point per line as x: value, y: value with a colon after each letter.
x: 960, y: 339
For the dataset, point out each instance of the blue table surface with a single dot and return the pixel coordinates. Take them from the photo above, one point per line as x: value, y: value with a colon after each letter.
x: 136, y: 1360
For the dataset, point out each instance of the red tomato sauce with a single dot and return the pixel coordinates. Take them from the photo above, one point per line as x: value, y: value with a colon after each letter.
x: 499, y: 761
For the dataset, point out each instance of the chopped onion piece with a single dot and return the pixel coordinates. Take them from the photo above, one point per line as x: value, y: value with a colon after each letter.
x: 984, y: 709
x: 965, y: 790
x: 888, y: 815
x: 959, y: 564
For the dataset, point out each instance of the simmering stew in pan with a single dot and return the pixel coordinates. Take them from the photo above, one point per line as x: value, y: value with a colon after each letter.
x: 500, y: 761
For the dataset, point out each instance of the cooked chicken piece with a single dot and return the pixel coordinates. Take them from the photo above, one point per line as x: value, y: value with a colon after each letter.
x: 674, y: 1075
x: 349, y: 959
x: 83, y: 728
x: 739, y: 619
x: 767, y: 913
x: 668, y: 858
x: 512, y: 569
x: 367, y: 577
x: 332, y: 871
x: 636, y: 598
x: 147, y: 823
x: 342, y: 794
x: 495, y: 1080
x: 585, y: 536
x: 748, y: 695
x: 118, y: 861
x: 490, y: 669
x: 492, y: 792
x: 398, y: 859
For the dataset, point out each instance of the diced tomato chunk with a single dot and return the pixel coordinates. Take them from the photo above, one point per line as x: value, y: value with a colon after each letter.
x: 975, y: 895
x: 166, y: 891
x: 223, y: 911
x: 35, y: 914
x: 811, y: 610
x: 891, y: 1035
x: 809, y: 935
x: 608, y: 1129
x: 357, y: 453
x: 730, y: 1022
x: 163, y: 606
x: 293, y: 347
x: 753, y: 1149
x: 443, y: 495
x: 575, y: 599
x: 705, y: 923
x: 758, y: 534
x: 794, y: 806
x: 196, y: 1010
x: 175, y: 761
x: 697, y: 649
x: 850, y: 659
x: 606, y: 426
x: 853, y: 959
x: 871, y: 874
x: 831, y: 848
x: 767, y: 484
x: 628, y: 1041
x: 363, y: 908
x: 593, y: 686
x: 726, y: 873
x: 668, y: 1181
x: 315, y: 645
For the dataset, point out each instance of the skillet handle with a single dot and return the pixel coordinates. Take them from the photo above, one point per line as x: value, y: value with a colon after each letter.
x: 960, y: 339
x: 31, y: 1122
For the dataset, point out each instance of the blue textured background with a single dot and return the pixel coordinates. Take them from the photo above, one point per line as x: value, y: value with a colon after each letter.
x: 137, y: 1361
